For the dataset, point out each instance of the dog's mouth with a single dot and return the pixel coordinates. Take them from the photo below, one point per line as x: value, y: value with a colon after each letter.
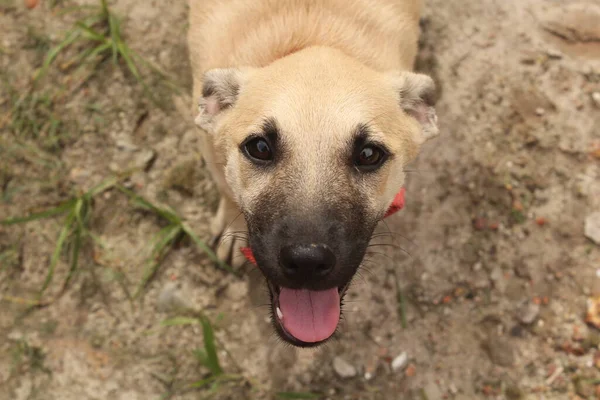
x: 304, y: 317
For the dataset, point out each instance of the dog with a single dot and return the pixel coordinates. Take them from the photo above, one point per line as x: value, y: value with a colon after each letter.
x: 309, y: 112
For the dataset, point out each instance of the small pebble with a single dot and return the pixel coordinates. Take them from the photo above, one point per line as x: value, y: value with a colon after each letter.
x: 596, y: 98
x: 125, y: 145
x: 400, y: 362
x: 343, y: 368
x: 528, y: 312
x: 592, y: 227
x: 540, y: 111
x: 144, y: 159
x: 555, y: 54
x: 452, y: 388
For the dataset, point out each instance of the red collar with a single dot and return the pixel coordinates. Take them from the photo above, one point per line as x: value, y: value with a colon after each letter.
x: 396, y: 205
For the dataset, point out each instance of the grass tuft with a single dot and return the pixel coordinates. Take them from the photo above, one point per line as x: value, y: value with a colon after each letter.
x: 213, y: 382
x: 9, y: 258
x: 33, y: 116
x: 207, y: 356
x: 74, y: 230
x: 175, y: 231
x: 97, y: 37
x: 27, y: 358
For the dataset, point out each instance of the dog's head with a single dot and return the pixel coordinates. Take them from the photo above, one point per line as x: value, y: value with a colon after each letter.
x: 316, y: 144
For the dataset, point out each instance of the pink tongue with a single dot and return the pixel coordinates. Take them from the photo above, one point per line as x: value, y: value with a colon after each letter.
x: 308, y: 315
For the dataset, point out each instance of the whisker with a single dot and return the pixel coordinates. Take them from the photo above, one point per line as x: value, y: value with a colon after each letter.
x: 395, y: 246
x: 360, y: 274
x: 221, y: 239
x: 232, y: 236
x: 387, y: 256
x: 231, y: 223
x: 391, y: 234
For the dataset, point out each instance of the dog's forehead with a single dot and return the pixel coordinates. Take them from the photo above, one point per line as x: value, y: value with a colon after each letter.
x: 315, y: 100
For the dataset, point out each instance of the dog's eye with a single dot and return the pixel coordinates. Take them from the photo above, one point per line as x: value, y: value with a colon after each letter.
x: 258, y: 149
x: 369, y: 158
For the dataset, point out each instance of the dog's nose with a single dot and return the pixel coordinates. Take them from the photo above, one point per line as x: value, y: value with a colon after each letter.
x: 307, y: 262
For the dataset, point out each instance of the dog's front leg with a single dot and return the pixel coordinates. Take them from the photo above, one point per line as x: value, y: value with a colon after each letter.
x: 229, y: 232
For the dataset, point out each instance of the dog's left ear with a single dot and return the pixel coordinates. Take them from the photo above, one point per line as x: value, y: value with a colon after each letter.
x: 220, y: 90
x: 417, y: 98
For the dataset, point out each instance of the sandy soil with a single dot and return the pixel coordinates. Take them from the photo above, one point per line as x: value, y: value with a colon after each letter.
x: 495, y: 266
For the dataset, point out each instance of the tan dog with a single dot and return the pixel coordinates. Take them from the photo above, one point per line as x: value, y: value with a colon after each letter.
x: 309, y: 114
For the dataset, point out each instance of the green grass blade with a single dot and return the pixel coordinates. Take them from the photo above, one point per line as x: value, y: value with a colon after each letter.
x: 149, y: 64
x: 90, y: 33
x: 86, y: 213
x: 77, y: 210
x: 115, y: 34
x: 165, y: 239
x: 119, y: 47
x: 145, y: 204
x: 298, y: 395
x: 74, y: 257
x: 102, y: 186
x: 212, y: 358
x: 200, y: 354
x: 104, y: 6
x: 203, y: 382
x: 126, y: 54
x: 98, y: 50
x: 208, y: 251
x: 61, y: 209
x: 78, y: 60
x: 70, y: 37
x: 62, y: 238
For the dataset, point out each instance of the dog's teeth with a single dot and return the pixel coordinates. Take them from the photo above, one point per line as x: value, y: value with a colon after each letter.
x: 279, y: 313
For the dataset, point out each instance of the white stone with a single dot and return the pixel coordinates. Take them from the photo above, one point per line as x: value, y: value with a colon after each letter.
x: 592, y: 227
x: 400, y: 362
x: 596, y: 98
x: 343, y: 368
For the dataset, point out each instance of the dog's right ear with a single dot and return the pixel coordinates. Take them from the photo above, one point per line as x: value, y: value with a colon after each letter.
x: 220, y: 91
x: 417, y: 98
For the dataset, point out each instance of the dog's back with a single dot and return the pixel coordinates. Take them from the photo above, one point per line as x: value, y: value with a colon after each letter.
x: 381, y: 33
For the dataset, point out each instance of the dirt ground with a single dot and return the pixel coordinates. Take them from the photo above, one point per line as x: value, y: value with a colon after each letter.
x: 495, y: 270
